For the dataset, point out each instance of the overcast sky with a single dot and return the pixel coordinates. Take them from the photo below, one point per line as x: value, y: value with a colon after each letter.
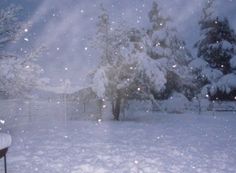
x: 65, y: 27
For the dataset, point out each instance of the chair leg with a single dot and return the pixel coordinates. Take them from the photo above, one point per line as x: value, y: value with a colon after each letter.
x: 5, y: 163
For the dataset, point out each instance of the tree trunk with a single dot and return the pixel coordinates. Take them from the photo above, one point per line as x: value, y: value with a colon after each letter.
x: 199, y: 105
x: 116, y: 108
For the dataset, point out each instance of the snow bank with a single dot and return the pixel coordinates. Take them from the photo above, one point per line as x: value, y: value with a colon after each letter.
x: 155, y: 142
x: 177, y: 103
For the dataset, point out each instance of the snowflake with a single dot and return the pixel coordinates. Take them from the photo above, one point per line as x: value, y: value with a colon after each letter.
x: 174, y: 66
x: 158, y: 44
x: 2, y: 121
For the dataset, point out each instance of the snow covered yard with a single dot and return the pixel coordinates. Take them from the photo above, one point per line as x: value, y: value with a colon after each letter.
x: 145, y: 143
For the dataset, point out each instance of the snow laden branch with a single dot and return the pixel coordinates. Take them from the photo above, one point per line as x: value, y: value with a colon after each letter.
x: 10, y: 26
x: 19, y: 75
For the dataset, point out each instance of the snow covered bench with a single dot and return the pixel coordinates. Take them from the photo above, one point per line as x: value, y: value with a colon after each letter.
x: 5, y: 142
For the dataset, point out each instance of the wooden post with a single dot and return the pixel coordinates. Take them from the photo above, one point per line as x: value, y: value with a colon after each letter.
x: 5, y: 163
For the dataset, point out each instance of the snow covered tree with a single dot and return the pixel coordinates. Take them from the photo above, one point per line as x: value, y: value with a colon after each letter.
x: 125, y: 70
x: 106, y: 38
x: 216, y: 50
x: 9, y: 25
x: 218, y: 40
x: 18, y: 75
x: 159, y: 45
x: 163, y: 44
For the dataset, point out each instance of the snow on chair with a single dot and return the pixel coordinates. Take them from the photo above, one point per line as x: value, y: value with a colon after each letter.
x: 5, y: 142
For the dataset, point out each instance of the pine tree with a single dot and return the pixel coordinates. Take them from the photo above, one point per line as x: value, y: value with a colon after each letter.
x: 103, y: 34
x: 158, y: 34
x: 216, y: 51
x: 163, y: 44
x: 218, y: 40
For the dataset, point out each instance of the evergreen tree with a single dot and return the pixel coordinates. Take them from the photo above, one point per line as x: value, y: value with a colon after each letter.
x: 158, y: 34
x: 218, y: 40
x: 103, y: 33
x: 216, y: 51
x: 164, y: 44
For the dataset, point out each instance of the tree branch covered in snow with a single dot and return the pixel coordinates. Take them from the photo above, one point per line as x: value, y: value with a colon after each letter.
x: 9, y: 24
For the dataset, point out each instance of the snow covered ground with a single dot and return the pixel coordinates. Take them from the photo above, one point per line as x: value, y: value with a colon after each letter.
x: 144, y: 143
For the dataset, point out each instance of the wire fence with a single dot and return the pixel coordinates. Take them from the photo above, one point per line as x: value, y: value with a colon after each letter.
x: 19, y: 112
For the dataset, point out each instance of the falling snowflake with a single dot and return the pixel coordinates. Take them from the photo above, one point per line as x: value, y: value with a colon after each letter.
x: 174, y: 66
